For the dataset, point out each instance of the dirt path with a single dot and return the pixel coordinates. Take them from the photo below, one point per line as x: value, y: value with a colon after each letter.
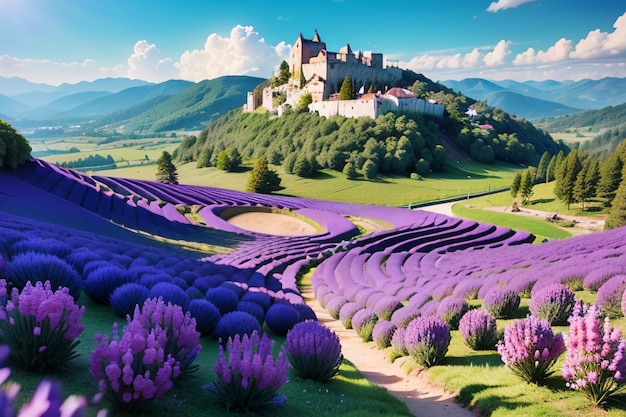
x: 421, y: 398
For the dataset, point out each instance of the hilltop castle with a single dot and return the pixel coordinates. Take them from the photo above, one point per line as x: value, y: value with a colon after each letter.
x: 316, y: 71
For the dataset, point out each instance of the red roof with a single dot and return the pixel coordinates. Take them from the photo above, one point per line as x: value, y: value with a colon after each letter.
x: 400, y: 93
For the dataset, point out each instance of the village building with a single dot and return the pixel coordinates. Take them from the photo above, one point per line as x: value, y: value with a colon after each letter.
x: 319, y: 72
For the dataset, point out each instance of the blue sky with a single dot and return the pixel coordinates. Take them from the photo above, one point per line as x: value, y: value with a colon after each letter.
x: 55, y: 41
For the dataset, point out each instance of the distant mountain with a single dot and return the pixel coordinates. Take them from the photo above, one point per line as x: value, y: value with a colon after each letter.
x: 196, y: 106
x: 10, y: 106
x: 606, y: 118
x: 557, y: 98
x: 66, y: 103
x: 37, y: 95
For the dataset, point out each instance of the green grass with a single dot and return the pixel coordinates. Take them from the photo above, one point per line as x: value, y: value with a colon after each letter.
x: 348, y: 394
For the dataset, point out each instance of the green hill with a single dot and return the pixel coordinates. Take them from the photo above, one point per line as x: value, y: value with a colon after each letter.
x: 195, y: 106
x: 607, y: 117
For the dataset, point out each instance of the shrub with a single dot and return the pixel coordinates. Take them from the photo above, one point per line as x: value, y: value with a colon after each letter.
x: 305, y: 312
x: 32, y: 266
x: 403, y: 316
x: 595, y: 359
x: 610, y: 296
x: 134, y: 369
x: 179, y: 328
x: 252, y: 308
x: 261, y: 298
x: 248, y: 377
x: 386, y: 306
x: 206, y: 314
x: 280, y: 318
x: 363, y: 323
x: 530, y: 348
x: 47, y: 246
x: 347, y: 311
x: 127, y: 296
x: 334, y: 304
x: 397, y: 342
x: 101, y: 283
x: 478, y: 329
x: 236, y: 323
x: 553, y: 303
x: 382, y: 333
x: 224, y: 299
x: 314, y: 351
x: 40, y: 326
x: 502, y: 302
x: 451, y: 309
x: 170, y: 293
x: 427, y: 340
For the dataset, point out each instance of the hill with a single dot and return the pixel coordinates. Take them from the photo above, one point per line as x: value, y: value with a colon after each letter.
x: 608, y: 117
x: 555, y: 97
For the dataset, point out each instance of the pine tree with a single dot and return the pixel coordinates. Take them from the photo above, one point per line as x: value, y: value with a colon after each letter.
x: 350, y: 171
x: 542, y: 167
x: 566, y: 174
x: 284, y: 73
x: 516, y: 184
x: 611, y: 177
x: 346, y: 92
x: 166, y: 170
x: 262, y: 179
x: 369, y: 169
x: 527, y: 184
x: 617, y: 216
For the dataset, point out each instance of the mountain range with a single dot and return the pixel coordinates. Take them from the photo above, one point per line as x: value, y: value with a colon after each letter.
x: 139, y: 107
x: 538, y: 99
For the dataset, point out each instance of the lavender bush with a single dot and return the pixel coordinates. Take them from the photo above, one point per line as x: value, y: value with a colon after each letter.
x: 382, y: 333
x: 553, y: 303
x: 610, y: 296
x: 530, y: 348
x: 479, y: 330
x: 347, y: 312
x: 236, y: 323
x: 206, y: 314
x: 363, y: 323
x: 133, y: 369
x: 248, y: 376
x: 280, y: 318
x: 502, y: 302
x: 40, y: 326
x: 314, y: 351
x: 595, y: 360
x: 426, y: 340
x: 451, y: 309
x: 398, y: 344
x: 126, y: 297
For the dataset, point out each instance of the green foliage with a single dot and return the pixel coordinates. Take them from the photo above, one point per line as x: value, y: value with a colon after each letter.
x: 516, y: 185
x: 526, y: 186
x: 91, y: 162
x: 14, y: 148
x: 617, y: 216
x: 350, y: 171
x: 346, y: 92
x: 587, y: 181
x: 262, y: 179
x: 369, y: 170
x: 228, y: 160
x: 166, y: 170
x: 284, y: 73
x: 542, y: 167
x: 566, y: 177
x: 304, y: 101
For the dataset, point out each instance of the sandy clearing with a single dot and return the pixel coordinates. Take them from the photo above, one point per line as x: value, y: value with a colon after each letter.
x: 272, y: 224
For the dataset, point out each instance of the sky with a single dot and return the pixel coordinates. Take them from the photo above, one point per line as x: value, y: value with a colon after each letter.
x: 68, y: 41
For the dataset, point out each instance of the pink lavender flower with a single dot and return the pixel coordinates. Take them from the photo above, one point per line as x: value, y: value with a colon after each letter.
x: 248, y: 376
x: 41, y: 326
x: 595, y: 362
x: 530, y: 348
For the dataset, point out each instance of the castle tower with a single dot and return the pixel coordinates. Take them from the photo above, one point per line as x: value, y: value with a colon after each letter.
x: 303, y: 50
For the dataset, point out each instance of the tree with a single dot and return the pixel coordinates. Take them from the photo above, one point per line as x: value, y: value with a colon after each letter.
x: 542, y: 167
x: 14, y: 148
x: 526, y: 187
x: 350, y: 171
x: 228, y: 160
x: 617, y: 216
x: 566, y: 178
x: 283, y: 73
x: 516, y: 185
x: 262, y: 179
x: 587, y: 182
x: 166, y: 170
x: 369, y: 169
x: 611, y: 177
x: 419, y: 88
x: 305, y: 100
x: 422, y: 167
x: 346, y: 92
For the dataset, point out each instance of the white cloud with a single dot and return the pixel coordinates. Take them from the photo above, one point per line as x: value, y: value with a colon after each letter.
x: 146, y: 64
x: 498, y: 55
x: 505, y: 4
x: 472, y: 59
x: 599, y: 44
x: 560, y: 51
x: 243, y: 53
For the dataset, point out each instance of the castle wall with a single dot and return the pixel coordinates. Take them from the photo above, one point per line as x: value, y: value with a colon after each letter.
x: 347, y: 108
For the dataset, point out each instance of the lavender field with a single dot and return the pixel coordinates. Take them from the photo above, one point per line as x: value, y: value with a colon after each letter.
x: 122, y: 241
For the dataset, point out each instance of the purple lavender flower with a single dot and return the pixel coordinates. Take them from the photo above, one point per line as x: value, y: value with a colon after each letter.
x: 610, y: 296
x: 248, y: 376
x: 127, y: 296
x: 382, y: 333
x: 386, y: 306
x: 363, y: 323
x: 334, y: 304
x: 314, y: 351
x: 397, y: 342
x: 427, y: 340
x: 553, y: 303
x: 206, y: 314
x: 502, y: 302
x: 595, y: 360
x: 451, y: 309
x: 530, y: 348
x: 347, y: 312
x: 41, y: 326
x: 479, y: 330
